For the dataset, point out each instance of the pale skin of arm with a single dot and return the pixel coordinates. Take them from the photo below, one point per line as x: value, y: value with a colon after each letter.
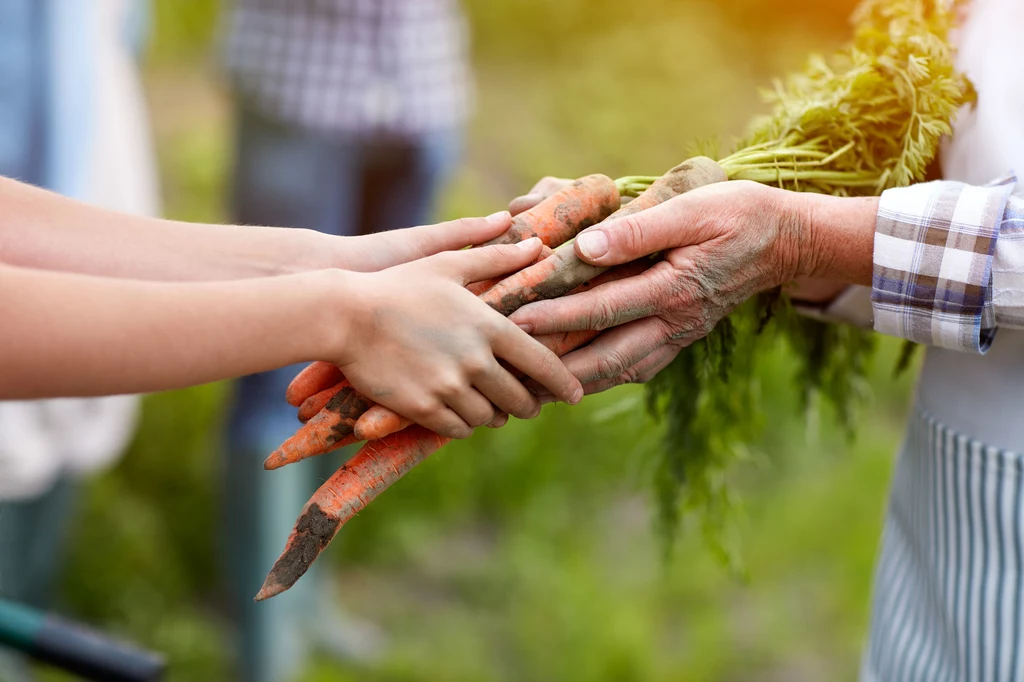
x: 409, y: 336
x: 722, y: 244
x: 43, y: 230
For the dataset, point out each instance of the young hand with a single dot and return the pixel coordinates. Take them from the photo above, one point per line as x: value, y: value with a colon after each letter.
x: 420, y: 344
x: 374, y: 252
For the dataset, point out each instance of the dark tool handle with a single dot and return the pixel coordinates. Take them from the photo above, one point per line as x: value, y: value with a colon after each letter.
x: 93, y: 656
x: 73, y: 648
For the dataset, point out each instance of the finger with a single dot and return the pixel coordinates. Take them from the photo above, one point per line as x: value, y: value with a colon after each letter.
x: 413, y: 243
x: 434, y: 415
x: 487, y: 262
x: 640, y: 373
x: 604, y: 306
x: 506, y: 392
x: 544, y: 188
x: 472, y: 407
x: 649, y: 367
x: 501, y: 420
x: 537, y: 362
x: 676, y: 222
x: 614, y: 352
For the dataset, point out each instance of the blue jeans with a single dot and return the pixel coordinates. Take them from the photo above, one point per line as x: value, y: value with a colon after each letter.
x: 344, y: 186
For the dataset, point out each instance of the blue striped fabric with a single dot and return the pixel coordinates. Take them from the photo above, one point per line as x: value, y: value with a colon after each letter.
x: 948, y: 586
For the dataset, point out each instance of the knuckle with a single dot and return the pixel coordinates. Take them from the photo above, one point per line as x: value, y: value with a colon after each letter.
x: 477, y: 365
x: 631, y: 235
x: 604, y: 315
x: 527, y: 409
x: 630, y: 376
x: 455, y: 431
x: 611, y: 364
x: 421, y: 409
x: 449, y: 385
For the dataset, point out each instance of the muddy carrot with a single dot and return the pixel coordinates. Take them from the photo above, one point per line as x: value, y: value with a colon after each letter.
x: 380, y: 463
x: 563, y: 271
x: 314, y: 378
x: 371, y: 471
x: 587, y: 201
x: 480, y: 287
x: 318, y: 401
x: 557, y: 219
x: 330, y: 429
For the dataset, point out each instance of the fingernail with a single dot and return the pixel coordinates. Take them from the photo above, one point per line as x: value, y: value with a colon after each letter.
x: 528, y: 328
x: 592, y: 244
x: 499, y: 217
x: 528, y: 244
x: 577, y: 396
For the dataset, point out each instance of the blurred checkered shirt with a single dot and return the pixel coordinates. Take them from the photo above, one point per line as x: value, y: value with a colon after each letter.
x: 352, y: 66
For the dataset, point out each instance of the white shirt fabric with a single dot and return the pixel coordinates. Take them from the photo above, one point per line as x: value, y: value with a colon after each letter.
x: 40, y: 440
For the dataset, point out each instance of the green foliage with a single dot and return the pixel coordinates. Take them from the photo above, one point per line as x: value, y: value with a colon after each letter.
x: 869, y: 119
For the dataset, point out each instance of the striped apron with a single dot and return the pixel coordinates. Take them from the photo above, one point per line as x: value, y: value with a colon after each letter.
x: 949, y: 597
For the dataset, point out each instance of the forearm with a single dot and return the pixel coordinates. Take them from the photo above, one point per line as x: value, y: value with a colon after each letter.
x: 75, y: 335
x: 44, y: 230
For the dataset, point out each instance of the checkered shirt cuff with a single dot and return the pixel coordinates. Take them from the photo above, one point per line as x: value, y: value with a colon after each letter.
x: 934, y: 247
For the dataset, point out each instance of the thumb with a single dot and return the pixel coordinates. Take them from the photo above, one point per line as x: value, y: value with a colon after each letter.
x: 488, y: 262
x: 621, y: 240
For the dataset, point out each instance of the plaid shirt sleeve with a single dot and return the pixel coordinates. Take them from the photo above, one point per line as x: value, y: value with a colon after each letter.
x: 935, y: 244
x: 1008, y: 267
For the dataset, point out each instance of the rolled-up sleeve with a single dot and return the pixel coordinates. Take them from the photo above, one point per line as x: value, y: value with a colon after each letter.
x: 935, y: 244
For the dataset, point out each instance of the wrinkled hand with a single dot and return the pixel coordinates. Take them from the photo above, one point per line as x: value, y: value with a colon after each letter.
x: 422, y: 345
x: 722, y: 244
x: 374, y: 252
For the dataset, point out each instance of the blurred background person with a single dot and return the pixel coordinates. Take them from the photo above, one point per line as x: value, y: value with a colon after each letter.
x: 72, y: 119
x: 349, y: 118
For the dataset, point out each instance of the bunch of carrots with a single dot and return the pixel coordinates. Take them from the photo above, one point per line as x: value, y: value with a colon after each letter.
x: 869, y: 120
x: 336, y: 415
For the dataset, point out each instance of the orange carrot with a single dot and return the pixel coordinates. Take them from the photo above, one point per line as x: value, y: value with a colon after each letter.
x: 563, y: 271
x: 382, y: 462
x: 318, y: 401
x: 314, y: 378
x: 330, y: 429
x: 480, y: 287
x: 561, y: 216
x: 370, y: 472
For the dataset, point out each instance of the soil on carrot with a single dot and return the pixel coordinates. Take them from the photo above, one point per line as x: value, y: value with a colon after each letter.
x: 350, y: 405
x: 314, y: 530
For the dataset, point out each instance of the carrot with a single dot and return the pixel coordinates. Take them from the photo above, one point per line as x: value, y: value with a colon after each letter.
x: 480, y: 287
x: 557, y: 219
x: 314, y: 378
x: 370, y: 472
x: 563, y: 271
x: 382, y: 462
x: 330, y: 429
x: 585, y: 202
x: 318, y: 401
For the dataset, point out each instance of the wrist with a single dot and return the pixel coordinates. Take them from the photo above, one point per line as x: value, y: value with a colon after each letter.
x: 315, y: 251
x: 329, y: 311
x: 834, y: 236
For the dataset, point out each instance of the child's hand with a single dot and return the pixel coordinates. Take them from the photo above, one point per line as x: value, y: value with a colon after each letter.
x: 374, y: 252
x: 420, y: 344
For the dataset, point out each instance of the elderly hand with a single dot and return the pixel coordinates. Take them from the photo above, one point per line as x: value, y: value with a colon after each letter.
x: 722, y: 244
